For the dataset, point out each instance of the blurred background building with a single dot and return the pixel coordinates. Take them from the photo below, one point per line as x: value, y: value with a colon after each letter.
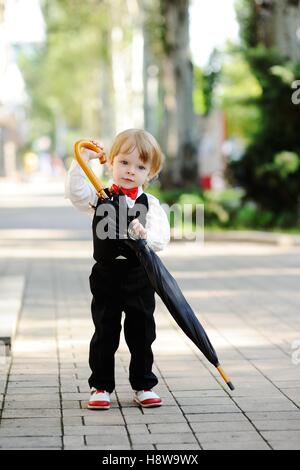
x: 16, y: 27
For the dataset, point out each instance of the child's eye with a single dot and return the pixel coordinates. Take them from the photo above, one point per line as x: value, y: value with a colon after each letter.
x: 124, y: 161
x: 141, y: 167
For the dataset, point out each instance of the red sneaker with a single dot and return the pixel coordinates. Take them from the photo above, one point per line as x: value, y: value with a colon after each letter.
x: 147, y: 398
x: 99, y: 400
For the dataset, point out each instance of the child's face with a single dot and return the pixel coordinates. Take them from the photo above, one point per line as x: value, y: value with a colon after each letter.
x: 128, y: 170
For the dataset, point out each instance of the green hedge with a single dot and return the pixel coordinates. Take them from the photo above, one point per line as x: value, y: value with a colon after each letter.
x: 227, y: 209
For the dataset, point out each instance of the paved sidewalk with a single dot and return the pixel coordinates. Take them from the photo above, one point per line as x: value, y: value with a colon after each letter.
x: 246, y: 295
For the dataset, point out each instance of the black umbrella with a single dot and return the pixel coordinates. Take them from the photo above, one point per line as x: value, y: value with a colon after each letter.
x: 161, y: 280
x: 167, y: 288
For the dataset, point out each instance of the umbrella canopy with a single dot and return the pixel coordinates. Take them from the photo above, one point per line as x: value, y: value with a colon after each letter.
x: 160, y: 278
x: 167, y: 288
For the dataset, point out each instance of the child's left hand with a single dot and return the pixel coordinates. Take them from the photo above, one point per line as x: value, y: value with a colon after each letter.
x: 138, y: 229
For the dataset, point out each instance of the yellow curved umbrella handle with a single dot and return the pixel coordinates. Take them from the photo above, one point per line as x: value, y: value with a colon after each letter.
x: 89, y: 173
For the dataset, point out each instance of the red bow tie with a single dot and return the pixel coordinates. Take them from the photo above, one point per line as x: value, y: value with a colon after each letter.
x: 131, y: 192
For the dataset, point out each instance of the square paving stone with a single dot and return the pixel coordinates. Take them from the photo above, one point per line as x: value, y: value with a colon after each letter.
x: 96, y: 429
x: 29, y: 442
x: 108, y: 440
x: 182, y: 438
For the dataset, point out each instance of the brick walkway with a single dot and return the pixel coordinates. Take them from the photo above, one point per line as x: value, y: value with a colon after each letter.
x: 247, y: 297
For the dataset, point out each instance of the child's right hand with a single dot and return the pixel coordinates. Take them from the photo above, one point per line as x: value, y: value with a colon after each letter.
x: 91, y: 154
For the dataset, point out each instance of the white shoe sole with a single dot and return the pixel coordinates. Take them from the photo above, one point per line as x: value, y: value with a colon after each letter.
x: 94, y: 407
x: 150, y: 405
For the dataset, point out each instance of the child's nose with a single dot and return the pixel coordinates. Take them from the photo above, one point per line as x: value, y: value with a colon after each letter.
x: 130, y: 170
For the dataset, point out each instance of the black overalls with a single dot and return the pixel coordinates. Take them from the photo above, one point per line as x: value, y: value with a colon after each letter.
x: 120, y: 285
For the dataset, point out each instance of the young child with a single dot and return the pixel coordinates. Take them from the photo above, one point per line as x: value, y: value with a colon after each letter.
x: 118, y: 281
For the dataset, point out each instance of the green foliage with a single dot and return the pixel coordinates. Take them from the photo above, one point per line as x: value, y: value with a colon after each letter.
x: 211, y: 76
x: 205, y: 82
x: 173, y: 196
x: 200, y: 105
x: 248, y: 216
x: 269, y: 170
x: 284, y: 163
x: 218, y: 206
x: 227, y: 209
x: 246, y: 12
x: 237, y: 93
x: 63, y: 73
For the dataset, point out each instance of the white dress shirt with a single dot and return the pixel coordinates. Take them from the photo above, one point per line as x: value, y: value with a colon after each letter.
x: 82, y: 195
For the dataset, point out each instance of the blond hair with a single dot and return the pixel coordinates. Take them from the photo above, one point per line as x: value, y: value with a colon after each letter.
x: 147, y: 147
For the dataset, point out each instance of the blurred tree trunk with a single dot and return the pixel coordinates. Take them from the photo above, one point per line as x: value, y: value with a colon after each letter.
x: 278, y: 23
x: 98, y: 107
x: 150, y: 84
x: 127, y: 63
x: 178, y: 122
x: 168, y: 73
